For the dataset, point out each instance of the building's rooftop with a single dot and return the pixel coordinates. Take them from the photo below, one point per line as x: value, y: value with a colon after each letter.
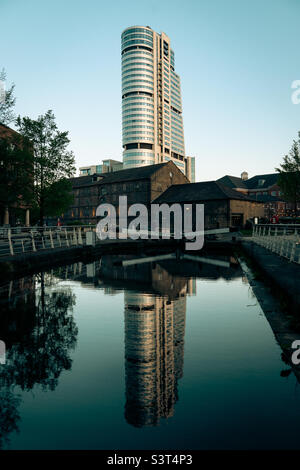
x: 262, y: 181
x: 256, y: 182
x: 206, y: 191
x: 233, y: 182
x: 131, y: 174
x: 6, y: 131
x: 79, y: 181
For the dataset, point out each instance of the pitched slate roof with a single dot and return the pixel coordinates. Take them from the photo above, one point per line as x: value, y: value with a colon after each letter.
x: 83, y: 180
x: 206, y: 191
x: 131, y: 174
x: 262, y: 181
x: 256, y: 182
x: 233, y: 182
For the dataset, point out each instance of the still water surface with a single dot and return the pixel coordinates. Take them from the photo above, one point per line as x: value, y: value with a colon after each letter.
x: 161, y: 355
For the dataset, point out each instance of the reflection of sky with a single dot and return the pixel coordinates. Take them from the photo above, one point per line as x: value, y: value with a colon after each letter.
x: 231, y: 393
x: 236, y: 59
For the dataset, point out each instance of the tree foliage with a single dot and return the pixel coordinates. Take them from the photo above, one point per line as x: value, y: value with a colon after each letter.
x: 58, y: 197
x: 7, y: 101
x: 39, y: 350
x: 289, y: 174
x: 53, y: 163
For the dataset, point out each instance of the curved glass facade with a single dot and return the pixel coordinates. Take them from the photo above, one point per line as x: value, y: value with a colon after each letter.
x: 152, y: 126
x: 137, y: 96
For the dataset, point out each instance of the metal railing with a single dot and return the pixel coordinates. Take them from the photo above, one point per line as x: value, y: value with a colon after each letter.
x: 19, y: 240
x: 282, y: 239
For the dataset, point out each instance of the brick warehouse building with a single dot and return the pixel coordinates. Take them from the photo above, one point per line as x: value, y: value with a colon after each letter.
x: 262, y: 188
x: 13, y: 208
x: 223, y: 207
x: 140, y: 185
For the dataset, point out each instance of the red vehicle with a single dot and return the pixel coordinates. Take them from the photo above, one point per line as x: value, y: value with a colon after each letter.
x: 274, y: 219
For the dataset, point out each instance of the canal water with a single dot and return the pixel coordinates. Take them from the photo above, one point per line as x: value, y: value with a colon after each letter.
x: 155, y: 355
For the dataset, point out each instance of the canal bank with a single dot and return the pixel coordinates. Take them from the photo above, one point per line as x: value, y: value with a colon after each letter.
x: 276, y: 285
x: 283, y: 274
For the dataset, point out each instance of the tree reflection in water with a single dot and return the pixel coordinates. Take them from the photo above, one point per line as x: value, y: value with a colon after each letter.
x: 39, y: 332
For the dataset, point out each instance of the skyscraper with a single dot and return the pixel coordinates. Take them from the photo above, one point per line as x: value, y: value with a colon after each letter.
x: 151, y: 100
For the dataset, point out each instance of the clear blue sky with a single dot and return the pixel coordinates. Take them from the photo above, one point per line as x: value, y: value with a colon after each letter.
x: 236, y: 58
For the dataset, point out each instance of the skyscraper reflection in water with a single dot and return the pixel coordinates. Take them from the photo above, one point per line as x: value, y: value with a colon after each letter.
x: 154, y: 348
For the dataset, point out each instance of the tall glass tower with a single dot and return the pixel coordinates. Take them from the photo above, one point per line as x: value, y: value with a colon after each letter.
x: 152, y: 123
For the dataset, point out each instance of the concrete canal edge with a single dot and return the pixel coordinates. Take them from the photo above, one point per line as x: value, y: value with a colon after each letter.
x: 276, y: 279
x: 283, y: 274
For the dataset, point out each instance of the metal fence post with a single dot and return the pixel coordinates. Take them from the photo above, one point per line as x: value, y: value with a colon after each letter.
x: 74, y: 237
x: 33, y: 242
x: 79, y: 237
x: 11, y: 248
x: 67, y: 241
x: 51, y: 239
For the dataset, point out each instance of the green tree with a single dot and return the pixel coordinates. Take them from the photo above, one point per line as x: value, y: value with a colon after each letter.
x: 53, y: 163
x: 58, y: 197
x: 7, y: 101
x: 289, y: 174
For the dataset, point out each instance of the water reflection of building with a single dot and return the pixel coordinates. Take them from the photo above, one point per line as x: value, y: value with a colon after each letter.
x: 154, y: 347
x: 154, y: 344
x: 155, y: 309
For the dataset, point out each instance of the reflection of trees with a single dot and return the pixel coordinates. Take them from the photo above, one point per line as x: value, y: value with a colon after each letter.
x: 9, y: 415
x: 41, y: 353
